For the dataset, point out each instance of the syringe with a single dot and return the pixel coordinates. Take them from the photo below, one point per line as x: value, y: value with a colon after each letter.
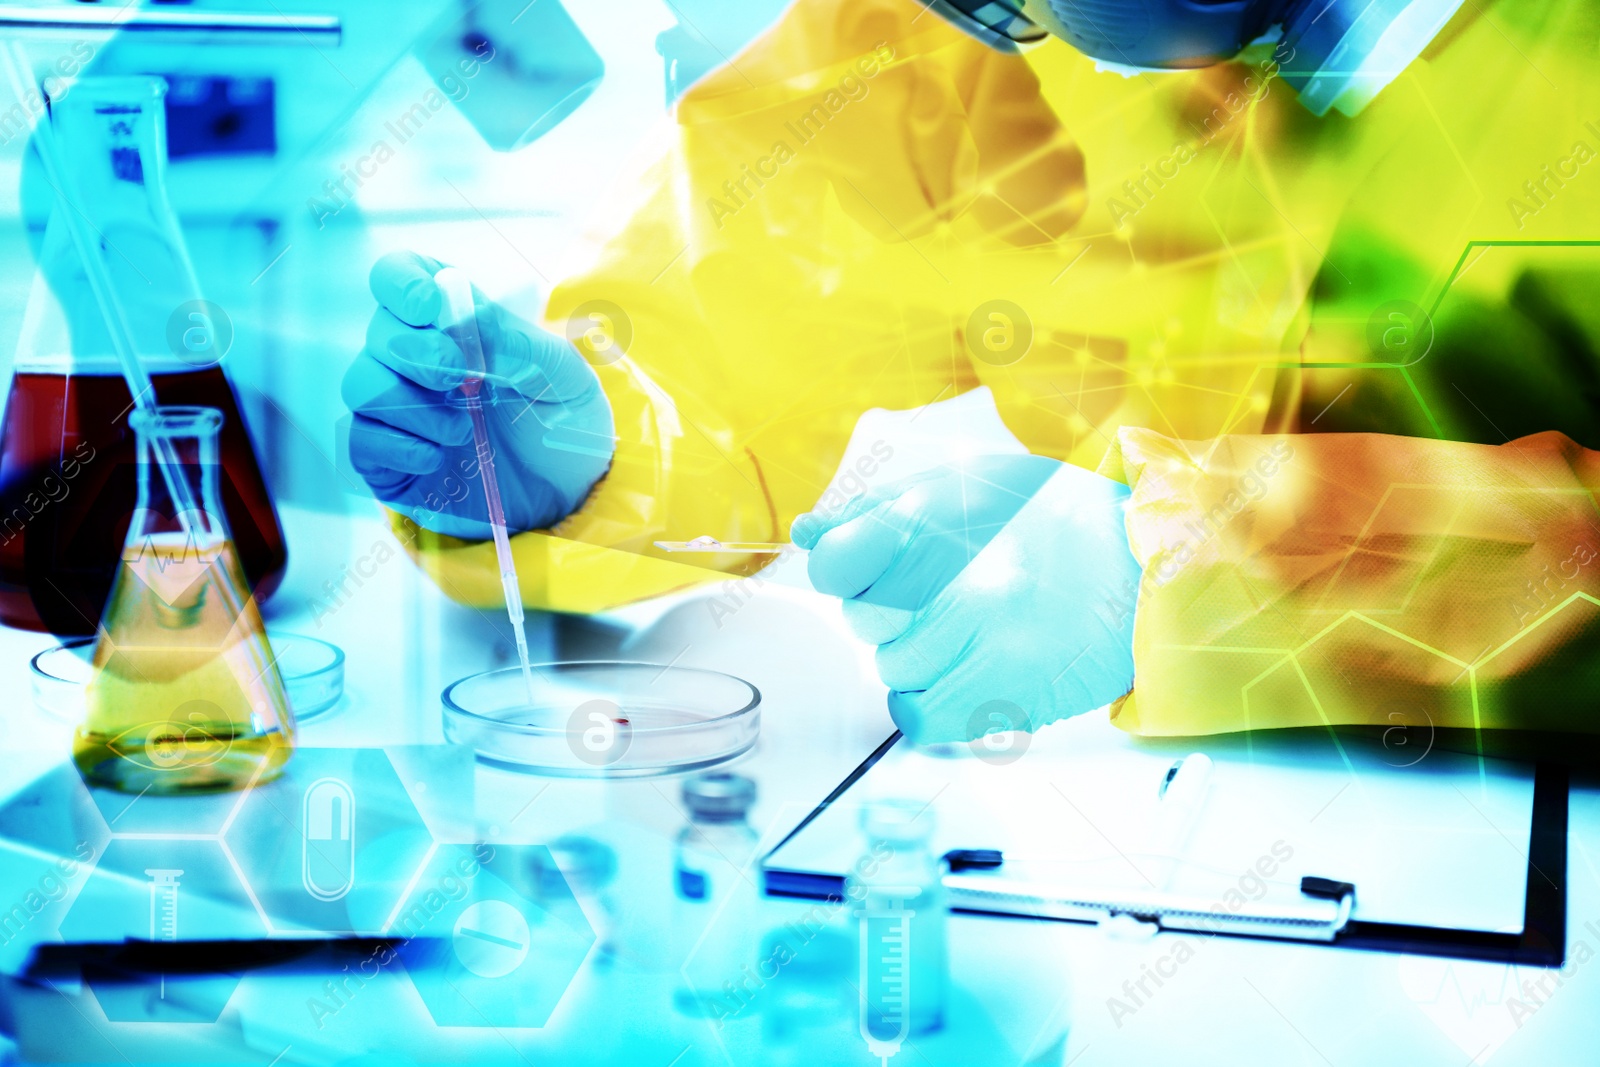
x: 460, y: 320
x: 163, y: 903
x: 886, y: 969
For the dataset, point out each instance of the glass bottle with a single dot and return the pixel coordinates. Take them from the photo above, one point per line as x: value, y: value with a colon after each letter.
x: 586, y: 868
x: 67, y: 467
x: 899, y: 874
x: 812, y: 987
x: 185, y: 694
x: 716, y: 896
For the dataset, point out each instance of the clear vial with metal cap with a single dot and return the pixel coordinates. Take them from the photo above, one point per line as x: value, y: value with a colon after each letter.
x: 716, y: 891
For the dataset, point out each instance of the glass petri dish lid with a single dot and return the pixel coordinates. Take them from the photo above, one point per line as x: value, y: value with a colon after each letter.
x: 312, y: 670
x: 604, y: 718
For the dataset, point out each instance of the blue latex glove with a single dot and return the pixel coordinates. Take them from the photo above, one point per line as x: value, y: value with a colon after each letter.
x: 1008, y: 579
x: 549, y: 421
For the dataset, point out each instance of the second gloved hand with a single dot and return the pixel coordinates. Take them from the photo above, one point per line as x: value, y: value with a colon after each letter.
x: 1007, y: 579
x: 549, y: 422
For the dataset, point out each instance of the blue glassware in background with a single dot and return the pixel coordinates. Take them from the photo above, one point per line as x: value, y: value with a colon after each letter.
x: 515, y: 70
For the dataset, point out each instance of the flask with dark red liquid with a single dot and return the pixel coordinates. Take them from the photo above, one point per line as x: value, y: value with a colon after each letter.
x: 68, y: 482
x: 68, y: 466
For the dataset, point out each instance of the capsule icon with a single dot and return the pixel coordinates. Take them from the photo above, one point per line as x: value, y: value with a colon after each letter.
x: 327, y: 839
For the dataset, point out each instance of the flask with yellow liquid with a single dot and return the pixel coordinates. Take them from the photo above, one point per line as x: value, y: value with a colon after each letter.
x: 185, y: 695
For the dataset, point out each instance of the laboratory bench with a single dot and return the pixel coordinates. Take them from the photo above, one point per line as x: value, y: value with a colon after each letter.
x: 1020, y: 991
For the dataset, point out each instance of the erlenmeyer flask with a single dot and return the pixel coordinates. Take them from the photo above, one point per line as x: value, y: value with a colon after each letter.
x: 67, y: 469
x: 186, y: 695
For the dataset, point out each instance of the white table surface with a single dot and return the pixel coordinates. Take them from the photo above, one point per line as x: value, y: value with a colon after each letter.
x: 1021, y: 991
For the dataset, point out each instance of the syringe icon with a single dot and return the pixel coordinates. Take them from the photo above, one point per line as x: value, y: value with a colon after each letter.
x: 163, y: 903
x: 886, y: 968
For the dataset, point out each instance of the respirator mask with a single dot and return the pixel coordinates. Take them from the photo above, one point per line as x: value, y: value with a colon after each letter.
x: 1337, y: 54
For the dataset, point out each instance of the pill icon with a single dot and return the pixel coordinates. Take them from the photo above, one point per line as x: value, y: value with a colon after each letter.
x: 491, y: 938
x: 328, y: 840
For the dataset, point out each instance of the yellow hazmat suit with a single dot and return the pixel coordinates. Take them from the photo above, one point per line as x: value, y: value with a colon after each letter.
x: 1313, y: 347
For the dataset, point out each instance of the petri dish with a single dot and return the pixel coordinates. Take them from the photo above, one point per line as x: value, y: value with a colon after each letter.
x: 604, y: 718
x: 312, y: 669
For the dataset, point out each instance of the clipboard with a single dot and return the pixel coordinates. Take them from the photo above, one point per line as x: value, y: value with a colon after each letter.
x: 1322, y: 916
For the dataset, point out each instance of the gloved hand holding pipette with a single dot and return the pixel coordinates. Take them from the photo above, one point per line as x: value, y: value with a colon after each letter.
x: 411, y: 437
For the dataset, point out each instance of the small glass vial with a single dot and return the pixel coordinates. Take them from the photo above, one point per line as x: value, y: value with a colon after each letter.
x: 585, y: 868
x: 897, y: 892
x: 715, y: 896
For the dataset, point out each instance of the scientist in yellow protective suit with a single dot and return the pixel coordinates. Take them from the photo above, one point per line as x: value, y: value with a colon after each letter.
x: 1302, y: 332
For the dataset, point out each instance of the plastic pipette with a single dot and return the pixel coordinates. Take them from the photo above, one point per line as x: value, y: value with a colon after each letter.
x: 459, y: 318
